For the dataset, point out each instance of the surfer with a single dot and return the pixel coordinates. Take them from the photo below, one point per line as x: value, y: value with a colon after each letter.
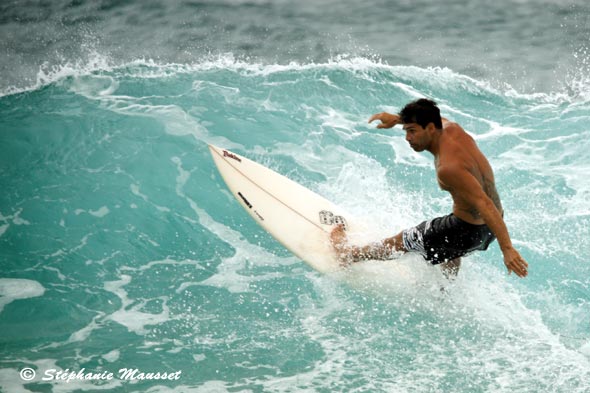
x: 463, y: 171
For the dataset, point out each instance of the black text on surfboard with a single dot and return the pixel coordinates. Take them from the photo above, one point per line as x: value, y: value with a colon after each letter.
x: 328, y: 218
x: 231, y: 155
x: 247, y: 202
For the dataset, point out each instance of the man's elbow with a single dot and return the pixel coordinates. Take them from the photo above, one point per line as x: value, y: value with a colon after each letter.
x: 486, y: 206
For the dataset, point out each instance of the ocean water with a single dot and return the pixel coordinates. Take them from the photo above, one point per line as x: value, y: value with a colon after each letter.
x: 121, y: 247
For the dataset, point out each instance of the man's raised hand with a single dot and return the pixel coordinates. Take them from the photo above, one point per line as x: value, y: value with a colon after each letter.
x: 388, y: 120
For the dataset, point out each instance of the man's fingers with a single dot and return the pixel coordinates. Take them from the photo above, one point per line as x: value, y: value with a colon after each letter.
x: 516, y: 269
x: 523, y: 266
x: 374, y: 117
x: 520, y: 268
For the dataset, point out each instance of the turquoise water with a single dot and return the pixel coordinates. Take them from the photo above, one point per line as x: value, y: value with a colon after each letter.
x: 121, y: 248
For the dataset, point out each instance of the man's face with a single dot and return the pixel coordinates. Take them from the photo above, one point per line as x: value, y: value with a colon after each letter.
x: 417, y: 136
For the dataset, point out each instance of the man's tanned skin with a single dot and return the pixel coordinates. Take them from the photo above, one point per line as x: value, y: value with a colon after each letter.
x: 464, y: 172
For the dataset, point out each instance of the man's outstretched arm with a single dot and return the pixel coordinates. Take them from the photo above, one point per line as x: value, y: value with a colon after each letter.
x: 389, y: 120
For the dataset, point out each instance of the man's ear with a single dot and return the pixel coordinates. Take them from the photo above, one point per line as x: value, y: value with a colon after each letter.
x: 430, y: 127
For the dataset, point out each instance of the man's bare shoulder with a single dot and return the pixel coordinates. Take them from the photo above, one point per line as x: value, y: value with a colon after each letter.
x: 456, y: 141
x: 454, y: 129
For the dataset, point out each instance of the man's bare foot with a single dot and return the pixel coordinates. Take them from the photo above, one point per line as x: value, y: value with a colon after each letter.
x: 339, y: 242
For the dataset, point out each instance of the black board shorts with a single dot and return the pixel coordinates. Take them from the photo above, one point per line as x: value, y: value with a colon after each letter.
x: 445, y: 238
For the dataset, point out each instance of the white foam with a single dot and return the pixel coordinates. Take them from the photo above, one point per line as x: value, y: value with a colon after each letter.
x: 98, y: 66
x: 312, y: 317
x: 50, y: 74
x: 11, y: 381
x: 199, y: 358
x: 112, y: 356
x: 136, y: 191
x: 15, y: 218
x: 101, y: 212
x: 541, y: 157
x: 406, y: 156
x: 491, y: 298
x: 84, y: 333
x: 344, y: 123
x: 211, y: 386
x: 498, y: 130
x: 106, y: 74
x: 19, y: 221
x: 94, y: 85
x: 175, y: 120
x: 12, y: 289
x: 131, y: 317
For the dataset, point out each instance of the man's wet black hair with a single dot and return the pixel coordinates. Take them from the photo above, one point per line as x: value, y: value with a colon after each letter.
x: 422, y: 112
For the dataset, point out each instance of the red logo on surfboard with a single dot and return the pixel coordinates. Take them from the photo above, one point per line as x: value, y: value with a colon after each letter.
x: 231, y: 155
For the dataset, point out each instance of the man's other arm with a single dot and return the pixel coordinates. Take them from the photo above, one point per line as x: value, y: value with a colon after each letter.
x: 465, y: 186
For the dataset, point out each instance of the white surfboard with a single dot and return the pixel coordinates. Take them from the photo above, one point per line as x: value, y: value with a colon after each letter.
x: 297, y: 217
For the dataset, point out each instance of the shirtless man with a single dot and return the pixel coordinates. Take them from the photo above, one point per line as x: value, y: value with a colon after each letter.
x: 463, y: 171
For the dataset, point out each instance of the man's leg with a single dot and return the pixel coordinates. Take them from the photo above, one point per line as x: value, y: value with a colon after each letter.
x: 395, y: 243
x: 385, y: 249
x: 450, y: 269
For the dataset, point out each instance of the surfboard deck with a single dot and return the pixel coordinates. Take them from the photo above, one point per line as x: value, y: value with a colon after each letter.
x: 300, y: 219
